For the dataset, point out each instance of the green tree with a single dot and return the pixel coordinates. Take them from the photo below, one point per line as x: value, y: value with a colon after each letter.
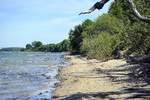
x: 65, y: 45
x: 136, y: 32
x: 50, y: 47
x: 102, y: 37
x: 28, y: 46
x: 36, y: 45
x: 75, y: 37
x: 42, y: 48
x: 101, y: 46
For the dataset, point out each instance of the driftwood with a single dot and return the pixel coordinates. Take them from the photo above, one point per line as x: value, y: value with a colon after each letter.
x: 139, y: 60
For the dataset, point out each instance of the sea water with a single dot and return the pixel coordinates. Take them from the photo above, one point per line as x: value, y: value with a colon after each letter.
x: 29, y: 75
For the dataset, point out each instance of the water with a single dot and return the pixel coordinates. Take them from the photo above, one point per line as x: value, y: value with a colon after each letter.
x: 29, y: 75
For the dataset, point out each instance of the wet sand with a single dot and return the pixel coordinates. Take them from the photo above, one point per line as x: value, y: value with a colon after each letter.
x: 94, y: 80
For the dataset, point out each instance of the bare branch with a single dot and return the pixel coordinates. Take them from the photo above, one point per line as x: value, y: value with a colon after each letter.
x: 99, y: 5
x: 137, y: 14
x: 87, y: 12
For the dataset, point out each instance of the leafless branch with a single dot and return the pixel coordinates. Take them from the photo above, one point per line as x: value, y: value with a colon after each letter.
x: 132, y: 6
x: 136, y: 13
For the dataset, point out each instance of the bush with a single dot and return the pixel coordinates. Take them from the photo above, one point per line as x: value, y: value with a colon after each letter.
x: 102, y: 37
x: 137, y: 33
x: 100, y: 46
x: 107, y: 23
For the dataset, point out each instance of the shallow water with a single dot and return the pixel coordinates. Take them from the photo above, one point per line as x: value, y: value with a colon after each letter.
x: 29, y: 75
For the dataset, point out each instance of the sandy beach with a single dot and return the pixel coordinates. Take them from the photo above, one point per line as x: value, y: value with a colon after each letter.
x: 87, y: 79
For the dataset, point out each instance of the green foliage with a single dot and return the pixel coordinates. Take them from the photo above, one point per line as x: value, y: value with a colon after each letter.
x: 76, y: 39
x: 36, y: 44
x: 102, y: 37
x: 117, y: 30
x: 100, y: 46
x: 97, y: 39
x: 28, y: 46
x: 108, y: 23
x: 120, y: 9
x: 76, y: 36
x: 64, y: 45
x: 136, y: 32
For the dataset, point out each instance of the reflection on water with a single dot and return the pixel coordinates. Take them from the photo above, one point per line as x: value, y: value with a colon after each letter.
x: 28, y: 75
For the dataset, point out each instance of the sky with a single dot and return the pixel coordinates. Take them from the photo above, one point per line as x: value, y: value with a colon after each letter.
x: 48, y: 21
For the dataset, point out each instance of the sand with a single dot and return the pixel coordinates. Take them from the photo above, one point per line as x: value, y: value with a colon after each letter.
x: 87, y: 79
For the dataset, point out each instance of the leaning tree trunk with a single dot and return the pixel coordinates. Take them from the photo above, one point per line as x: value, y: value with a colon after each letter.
x: 144, y: 59
x: 137, y: 14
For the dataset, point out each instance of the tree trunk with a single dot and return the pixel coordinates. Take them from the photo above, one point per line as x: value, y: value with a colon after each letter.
x: 137, y: 14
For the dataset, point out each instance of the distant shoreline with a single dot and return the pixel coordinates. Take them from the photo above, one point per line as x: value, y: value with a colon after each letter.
x: 19, y: 49
x: 12, y: 49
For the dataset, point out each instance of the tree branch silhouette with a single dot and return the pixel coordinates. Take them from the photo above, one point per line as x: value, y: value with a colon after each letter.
x: 99, y: 5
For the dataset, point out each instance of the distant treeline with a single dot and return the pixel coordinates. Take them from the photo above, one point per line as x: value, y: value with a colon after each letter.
x: 11, y: 49
x: 39, y: 46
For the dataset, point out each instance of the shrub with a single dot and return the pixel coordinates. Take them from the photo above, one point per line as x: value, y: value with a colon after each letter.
x: 100, y: 46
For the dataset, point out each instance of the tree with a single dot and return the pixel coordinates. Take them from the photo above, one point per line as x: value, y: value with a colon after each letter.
x: 64, y: 45
x: 50, y: 47
x: 99, y: 5
x: 36, y: 44
x: 102, y: 37
x: 75, y: 37
x: 28, y: 46
x: 59, y: 47
x: 137, y: 13
x: 42, y: 48
x: 136, y: 35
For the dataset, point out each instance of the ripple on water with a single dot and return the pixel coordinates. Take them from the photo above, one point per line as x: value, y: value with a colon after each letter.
x: 28, y: 75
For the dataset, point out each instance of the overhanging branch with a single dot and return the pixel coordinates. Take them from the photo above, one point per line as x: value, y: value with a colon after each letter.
x: 137, y: 14
x: 99, y: 5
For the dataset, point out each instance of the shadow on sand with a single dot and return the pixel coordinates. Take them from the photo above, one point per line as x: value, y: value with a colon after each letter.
x: 126, y: 73
x: 135, y: 93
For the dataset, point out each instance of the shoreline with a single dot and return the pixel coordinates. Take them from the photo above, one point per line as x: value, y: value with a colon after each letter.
x: 87, y: 79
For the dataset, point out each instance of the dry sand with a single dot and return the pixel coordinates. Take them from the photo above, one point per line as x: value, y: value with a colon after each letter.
x: 94, y: 80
